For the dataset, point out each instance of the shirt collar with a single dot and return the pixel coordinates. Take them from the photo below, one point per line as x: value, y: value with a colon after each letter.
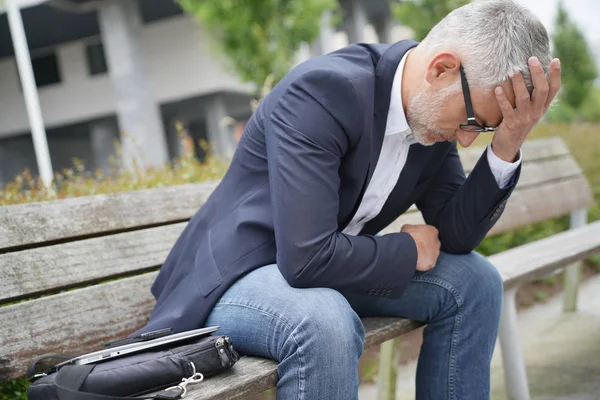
x: 396, y: 119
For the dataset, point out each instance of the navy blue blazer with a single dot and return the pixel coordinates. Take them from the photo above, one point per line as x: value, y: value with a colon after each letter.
x: 297, y: 178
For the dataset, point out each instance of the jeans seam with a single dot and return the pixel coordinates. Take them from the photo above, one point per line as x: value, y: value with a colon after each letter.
x: 301, y: 372
x: 452, y: 368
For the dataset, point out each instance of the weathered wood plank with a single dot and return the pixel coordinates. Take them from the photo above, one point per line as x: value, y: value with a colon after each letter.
x: 527, y: 206
x: 34, y: 223
x: 533, y: 150
x: 250, y: 375
x: 39, y: 270
x: 69, y: 264
x: 540, y: 258
x: 72, y: 322
x: 536, y: 173
x: 380, y: 329
x: 26, y: 224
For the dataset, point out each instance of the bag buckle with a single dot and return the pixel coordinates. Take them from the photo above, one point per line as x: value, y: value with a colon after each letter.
x: 196, y: 377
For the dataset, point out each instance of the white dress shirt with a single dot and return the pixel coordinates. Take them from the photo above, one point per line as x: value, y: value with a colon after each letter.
x: 394, y: 152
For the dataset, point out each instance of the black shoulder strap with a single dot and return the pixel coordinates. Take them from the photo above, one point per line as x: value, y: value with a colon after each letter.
x: 70, y: 378
x: 31, y: 373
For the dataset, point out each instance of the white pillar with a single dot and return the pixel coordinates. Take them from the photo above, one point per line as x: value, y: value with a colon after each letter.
x: 383, y: 27
x: 103, y: 134
x: 219, y: 135
x: 515, y: 374
x: 573, y: 271
x: 355, y: 21
x: 32, y: 102
x: 143, y: 139
x: 325, y: 39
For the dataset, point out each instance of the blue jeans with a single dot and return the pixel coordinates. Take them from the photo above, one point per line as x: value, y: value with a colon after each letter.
x: 317, y: 336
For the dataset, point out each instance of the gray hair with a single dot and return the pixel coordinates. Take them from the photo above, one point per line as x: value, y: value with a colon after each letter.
x: 494, y: 39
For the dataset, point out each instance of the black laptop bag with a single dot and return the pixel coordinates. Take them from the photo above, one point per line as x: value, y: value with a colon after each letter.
x: 161, y: 373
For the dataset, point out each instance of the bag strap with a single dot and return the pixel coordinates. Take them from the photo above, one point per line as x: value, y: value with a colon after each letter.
x: 31, y: 374
x: 70, y: 378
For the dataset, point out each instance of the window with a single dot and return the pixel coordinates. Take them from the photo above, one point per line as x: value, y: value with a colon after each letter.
x: 45, y: 69
x: 96, y: 59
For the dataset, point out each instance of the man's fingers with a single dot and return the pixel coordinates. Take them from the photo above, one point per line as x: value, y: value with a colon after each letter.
x: 555, y: 81
x: 508, y: 113
x: 540, y: 87
x: 522, y: 98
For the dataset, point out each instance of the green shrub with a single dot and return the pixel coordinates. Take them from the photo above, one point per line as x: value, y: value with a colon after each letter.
x: 78, y: 181
x: 14, y: 390
x: 590, y: 109
x: 561, y: 112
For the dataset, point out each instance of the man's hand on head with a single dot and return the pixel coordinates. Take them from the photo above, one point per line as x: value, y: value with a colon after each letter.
x: 519, y: 121
x: 426, y: 238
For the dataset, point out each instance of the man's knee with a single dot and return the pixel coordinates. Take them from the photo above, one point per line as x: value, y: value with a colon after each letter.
x: 483, y: 286
x: 324, y: 326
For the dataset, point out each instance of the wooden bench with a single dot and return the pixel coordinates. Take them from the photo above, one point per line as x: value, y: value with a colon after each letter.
x: 76, y: 273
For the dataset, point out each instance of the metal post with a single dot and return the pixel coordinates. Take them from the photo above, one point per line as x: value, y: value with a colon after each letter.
x: 572, y: 272
x: 515, y: 375
x: 389, y: 358
x: 32, y: 102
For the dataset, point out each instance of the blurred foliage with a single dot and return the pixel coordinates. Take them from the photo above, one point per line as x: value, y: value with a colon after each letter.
x: 422, y: 15
x: 590, y: 109
x: 14, y: 390
x: 561, y: 112
x: 260, y: 37
x: 577, y: 63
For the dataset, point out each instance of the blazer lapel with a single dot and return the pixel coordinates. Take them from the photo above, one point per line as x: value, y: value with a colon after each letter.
x: 384, y: 78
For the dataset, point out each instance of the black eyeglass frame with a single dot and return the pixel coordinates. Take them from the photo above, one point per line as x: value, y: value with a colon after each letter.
x: 471, y: 125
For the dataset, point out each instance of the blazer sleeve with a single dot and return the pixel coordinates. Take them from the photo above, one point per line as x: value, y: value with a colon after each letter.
x: 464, y: 209
x: 307, y: 133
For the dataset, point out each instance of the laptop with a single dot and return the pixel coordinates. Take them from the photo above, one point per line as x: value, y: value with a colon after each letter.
x: 139, y: 343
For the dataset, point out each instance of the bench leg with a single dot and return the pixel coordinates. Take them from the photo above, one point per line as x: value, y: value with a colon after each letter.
x: 572, y: 272
x: 389, y: 358
x: 515, y: 375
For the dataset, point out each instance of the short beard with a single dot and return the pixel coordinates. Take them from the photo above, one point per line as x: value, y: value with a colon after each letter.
x: 424, y: 111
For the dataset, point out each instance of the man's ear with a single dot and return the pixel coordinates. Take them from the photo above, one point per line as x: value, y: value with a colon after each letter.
x: 443, y: 67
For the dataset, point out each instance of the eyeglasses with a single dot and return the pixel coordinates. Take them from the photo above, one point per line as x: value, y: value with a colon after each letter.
x: 471, y: 125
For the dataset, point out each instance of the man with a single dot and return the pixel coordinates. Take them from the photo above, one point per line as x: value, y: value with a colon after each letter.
x: 284, y: 256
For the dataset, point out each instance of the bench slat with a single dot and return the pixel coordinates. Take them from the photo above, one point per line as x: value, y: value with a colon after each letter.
x: 538, y: 259
x: 250, y: 375
x: 527, y: 206
x: 72, y: 322
x: 35, y: 271
x: 38, y: 223
x: 32, y: 223
x: 533, y: 150
x: 56, y: 324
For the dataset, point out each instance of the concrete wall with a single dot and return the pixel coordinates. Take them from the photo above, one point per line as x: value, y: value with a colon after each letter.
x: 182, y: 63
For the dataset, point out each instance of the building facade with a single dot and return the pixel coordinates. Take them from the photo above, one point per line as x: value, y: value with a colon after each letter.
x: 131, y: 71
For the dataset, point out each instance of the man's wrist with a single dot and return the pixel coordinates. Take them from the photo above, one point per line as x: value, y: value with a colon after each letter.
x: 509, y: 155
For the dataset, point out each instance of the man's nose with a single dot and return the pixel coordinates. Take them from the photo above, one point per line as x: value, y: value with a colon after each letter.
x: 466, y: 138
